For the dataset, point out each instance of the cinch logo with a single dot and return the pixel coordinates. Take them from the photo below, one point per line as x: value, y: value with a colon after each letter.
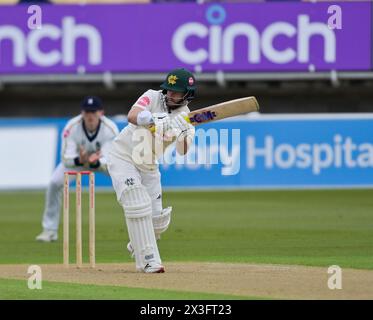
x: 341, y: 153
x: 219, y: 44
x: 28, y: 46
x: 203, y: 117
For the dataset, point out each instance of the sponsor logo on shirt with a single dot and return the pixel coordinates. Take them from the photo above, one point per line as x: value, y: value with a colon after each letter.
x: 66, y: 133
x: 144, y: 101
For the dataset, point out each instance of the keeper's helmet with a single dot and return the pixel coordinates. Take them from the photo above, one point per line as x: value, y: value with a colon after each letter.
x: 180, y: 80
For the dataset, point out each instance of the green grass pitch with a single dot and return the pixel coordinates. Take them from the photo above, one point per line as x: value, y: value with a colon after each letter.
x: 316, y: 228
x: 15, y: 289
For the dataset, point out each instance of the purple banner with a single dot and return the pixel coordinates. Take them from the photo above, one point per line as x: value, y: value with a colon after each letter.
x: 257, y: 37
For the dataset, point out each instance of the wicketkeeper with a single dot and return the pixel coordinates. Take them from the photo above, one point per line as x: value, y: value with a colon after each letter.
x: 85, y: 142
x: 133, y: 167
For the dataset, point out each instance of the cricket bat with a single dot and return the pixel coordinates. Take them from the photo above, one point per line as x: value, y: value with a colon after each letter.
x: 221, y: 111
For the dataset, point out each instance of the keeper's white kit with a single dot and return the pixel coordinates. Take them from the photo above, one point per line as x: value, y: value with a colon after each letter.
x: 74, y: 136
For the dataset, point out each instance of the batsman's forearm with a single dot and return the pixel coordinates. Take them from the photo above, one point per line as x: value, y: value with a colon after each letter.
x: 182, y: 146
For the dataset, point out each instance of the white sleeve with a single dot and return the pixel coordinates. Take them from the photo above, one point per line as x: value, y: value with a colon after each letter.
x: 145, y: 101
x: 69, y: 151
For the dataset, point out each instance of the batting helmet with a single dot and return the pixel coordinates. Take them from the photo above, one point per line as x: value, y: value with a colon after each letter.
x: 180, y: 80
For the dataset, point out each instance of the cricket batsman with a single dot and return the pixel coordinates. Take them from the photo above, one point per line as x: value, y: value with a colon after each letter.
x: 133, y: 167
x: 85, y: 141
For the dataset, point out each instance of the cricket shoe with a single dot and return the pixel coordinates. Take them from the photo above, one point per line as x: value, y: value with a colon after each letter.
x: 130, y: 250
x: 154, y: 268
x: 47, y: 236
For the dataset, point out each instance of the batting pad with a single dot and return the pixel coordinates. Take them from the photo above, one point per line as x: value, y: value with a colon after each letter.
x: 162, y: 221
x: 138, y: 212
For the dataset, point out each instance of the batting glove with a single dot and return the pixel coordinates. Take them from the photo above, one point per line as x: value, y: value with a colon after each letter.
x: 183, y: 129
x: 163, y: 127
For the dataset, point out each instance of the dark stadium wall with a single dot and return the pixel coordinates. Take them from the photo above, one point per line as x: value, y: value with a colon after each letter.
x: 47, y: 100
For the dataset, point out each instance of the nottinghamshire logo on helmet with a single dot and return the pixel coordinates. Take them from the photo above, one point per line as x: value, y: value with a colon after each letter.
x: 172, y: 79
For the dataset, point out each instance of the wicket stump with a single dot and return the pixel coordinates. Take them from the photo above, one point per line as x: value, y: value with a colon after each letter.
x: 66, y: 203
